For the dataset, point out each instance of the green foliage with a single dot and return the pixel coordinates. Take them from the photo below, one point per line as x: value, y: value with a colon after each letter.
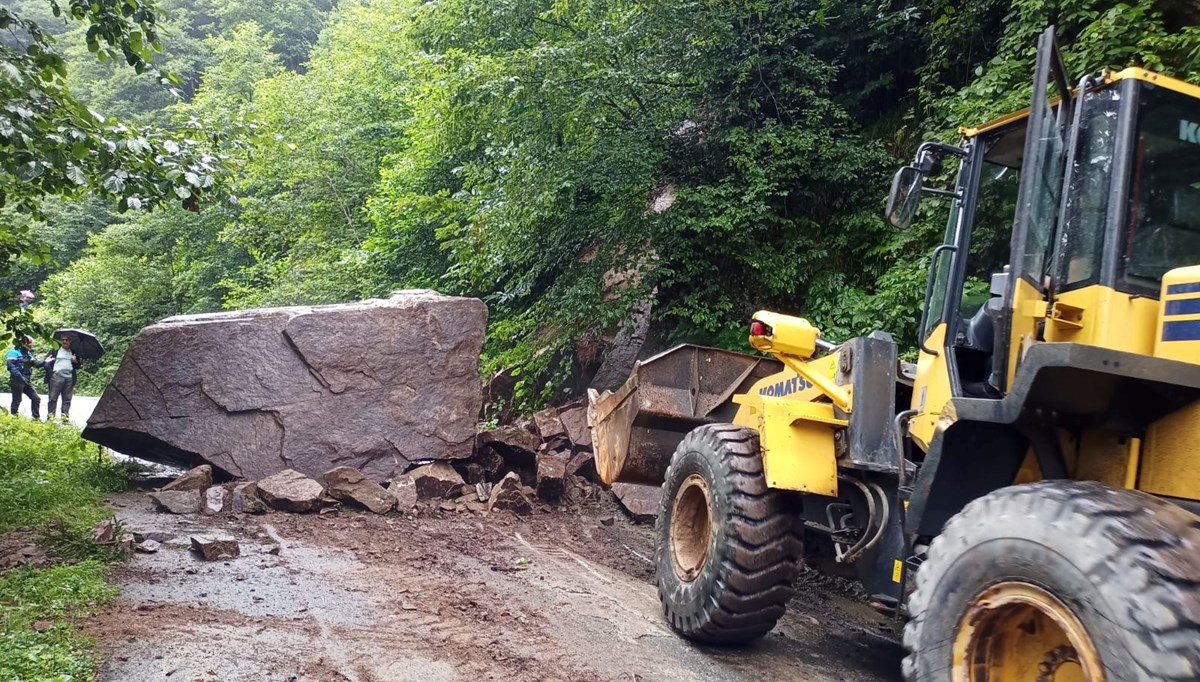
x: 568, y: 160
x: 52, y: 479
x: 48, y: 473
x: 51, y: 144
x: 53, y: 598
x: 135, y: 273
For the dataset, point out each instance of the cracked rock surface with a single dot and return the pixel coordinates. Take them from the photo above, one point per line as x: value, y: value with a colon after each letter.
x: 373, y: 385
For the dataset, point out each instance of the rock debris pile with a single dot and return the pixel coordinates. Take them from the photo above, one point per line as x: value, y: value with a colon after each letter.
x: 521, y: 469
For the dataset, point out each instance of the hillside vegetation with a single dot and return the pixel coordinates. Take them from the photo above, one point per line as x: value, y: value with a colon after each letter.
x: 568, y: 161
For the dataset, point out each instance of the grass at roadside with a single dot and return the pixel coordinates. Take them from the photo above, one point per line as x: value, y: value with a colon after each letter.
x: 37, y: 640
x: 52, y: 480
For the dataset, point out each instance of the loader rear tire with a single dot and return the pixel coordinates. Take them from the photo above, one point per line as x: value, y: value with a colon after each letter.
x: 728, y: 547
x: 1059, y: 580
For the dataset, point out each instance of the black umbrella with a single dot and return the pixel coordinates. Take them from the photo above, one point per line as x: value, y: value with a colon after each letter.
x: 83, y: 343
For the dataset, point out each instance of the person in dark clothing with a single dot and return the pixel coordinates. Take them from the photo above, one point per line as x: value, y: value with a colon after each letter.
x: 19, y: 361
x: 60, y: 368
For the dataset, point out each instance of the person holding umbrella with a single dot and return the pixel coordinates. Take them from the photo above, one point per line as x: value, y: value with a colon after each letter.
x: 60, y: 375
x: 20, y: 378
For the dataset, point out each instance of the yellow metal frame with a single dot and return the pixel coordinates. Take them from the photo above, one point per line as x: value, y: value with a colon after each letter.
x: 1107, y: 78
x: 797, y: 442
x: 798, y: 411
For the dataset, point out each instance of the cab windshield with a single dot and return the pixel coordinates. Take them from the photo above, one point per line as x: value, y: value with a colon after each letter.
x: 1163, y: 222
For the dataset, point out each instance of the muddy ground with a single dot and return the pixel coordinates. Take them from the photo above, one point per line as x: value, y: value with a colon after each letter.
x: 351, y: 596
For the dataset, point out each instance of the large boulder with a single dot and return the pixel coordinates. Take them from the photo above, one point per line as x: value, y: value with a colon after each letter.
x: 374, y: 385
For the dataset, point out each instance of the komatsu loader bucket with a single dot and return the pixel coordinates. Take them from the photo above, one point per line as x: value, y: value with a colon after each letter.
x: 635, y: 430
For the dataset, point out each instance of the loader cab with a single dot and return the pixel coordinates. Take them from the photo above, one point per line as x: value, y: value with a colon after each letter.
x: 1063, y: 220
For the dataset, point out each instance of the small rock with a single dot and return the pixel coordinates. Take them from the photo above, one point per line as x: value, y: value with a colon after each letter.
x: 436, y: 480
x: 125, y: 543
x: 574, y: 421
x: 448, y: 506
x: 582, y: 464
x: 549, y: 425
x: 42, y: 625
x: 641, y: 501
x: 193, y: 479
x: 177, y: 501
x: 551, y: 470
x: 104, y: 532
x: 215, y: 547
x: 508, y: 495
x: 607, y: 520
x: 272, y: 549
x: 244, y: 499
x: 476, y: 506
x: 350, y: 485
x: 158, y: 536
x: 404, y: 491
x: 490, y: 462
x: 290, y: 490
x: 214, y: 501
x: 147, y: 546
x: 472, y: 472
x: 510, y: 437
x: 483, y: 490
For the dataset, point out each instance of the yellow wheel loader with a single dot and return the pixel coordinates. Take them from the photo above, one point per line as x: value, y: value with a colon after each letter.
x: 1025, y: 494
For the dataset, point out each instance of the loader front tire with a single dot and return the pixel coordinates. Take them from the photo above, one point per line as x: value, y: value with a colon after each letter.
x: 728, y: 547
x: 1059, y: 580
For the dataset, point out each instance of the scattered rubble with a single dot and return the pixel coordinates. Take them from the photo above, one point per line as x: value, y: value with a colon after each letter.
x: 365, y: 384
x: 574, y: 419
x: 214, y: 501
x: 147, y: 546
x: 551, y: 474
x: 158, y: 536
x: 436, y: 480
x: 511, y: 437
x: 582, y: 464
x: 513, y: 469
x: 291, y: 491
x: 641, y: 501
x: 244, y: 499
x: 508, y: 495
x: 215, y: 547
x: 549, y: 424
x: 105, y: 531
x: 177, y: 501
x: 198, y: 478
x: 349, y: 485
x: 404, y: 491
x: 29, y: 555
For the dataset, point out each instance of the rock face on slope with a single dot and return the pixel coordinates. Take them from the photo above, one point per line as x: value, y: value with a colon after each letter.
x: 374, y: 385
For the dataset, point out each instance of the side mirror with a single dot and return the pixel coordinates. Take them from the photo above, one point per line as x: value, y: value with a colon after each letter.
x: 904, y: 197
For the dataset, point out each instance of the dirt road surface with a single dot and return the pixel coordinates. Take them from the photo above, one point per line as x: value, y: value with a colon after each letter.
x: 355, y: 597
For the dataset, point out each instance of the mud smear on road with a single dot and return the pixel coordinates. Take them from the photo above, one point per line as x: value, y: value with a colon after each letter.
x: 364, y: 598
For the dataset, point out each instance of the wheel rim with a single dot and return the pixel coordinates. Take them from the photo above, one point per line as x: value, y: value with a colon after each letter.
x: 1015, y: 631
x: 691, y: 528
